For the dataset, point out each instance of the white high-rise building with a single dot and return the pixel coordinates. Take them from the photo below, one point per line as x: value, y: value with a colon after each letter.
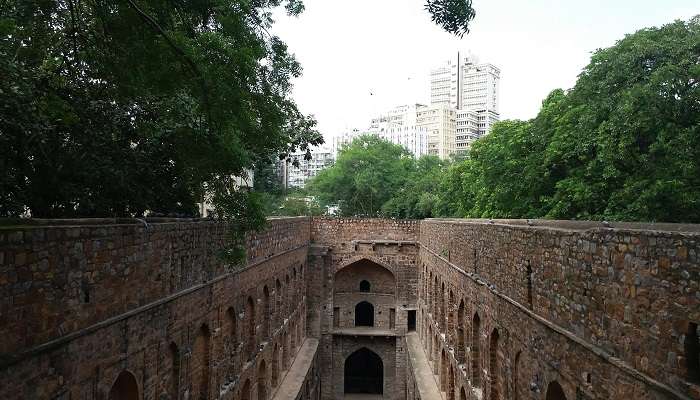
x: 399, y: 126
x: 443, y: 85
x: 297, y: 176
x: 467, y: 130
x: 440, y: 123
x: 471, y: 86
x: 345, y: 138
x: 480, y: 87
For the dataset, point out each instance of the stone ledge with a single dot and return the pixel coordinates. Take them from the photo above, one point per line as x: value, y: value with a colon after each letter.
x: 294, y: 380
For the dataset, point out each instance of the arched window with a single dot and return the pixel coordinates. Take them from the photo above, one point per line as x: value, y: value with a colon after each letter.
x: 250, y: 324
x: 364, y: 286
x: 245, y: 391
x: 200, y: 368
x: 364, y: 314
x: 555, y: 392
x: 460, y: 333
x: 475, y: 355
x: 364, y: 373
x: 494, y: 367
x: 174, y: 370
x: 443, y: 371
x: 262, y: 381
x: 266, y: 312
x: 124, y: 387
x: 275, y: 365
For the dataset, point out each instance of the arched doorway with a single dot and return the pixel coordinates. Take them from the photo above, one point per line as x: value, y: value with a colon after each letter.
x: 555, y: 392
x: 125, y: 387
x: 364, y: 373
x: 364, y: 314
x: 275, y: 365
x: 245, y: 392
x: 262, y: 381
x: 200, y: 363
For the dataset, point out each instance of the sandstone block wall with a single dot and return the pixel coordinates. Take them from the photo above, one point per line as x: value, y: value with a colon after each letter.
x: 604, y: 312
x: 93, y: 310
x: 345, y: 252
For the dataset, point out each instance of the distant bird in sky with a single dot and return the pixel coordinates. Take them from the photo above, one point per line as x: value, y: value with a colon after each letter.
x: 371, y: 93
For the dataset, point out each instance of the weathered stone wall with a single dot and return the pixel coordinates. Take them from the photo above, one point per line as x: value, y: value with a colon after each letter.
x: 603, y: 311
x: 507, y: 309
x: 95, y: 308
x: 345, y: 252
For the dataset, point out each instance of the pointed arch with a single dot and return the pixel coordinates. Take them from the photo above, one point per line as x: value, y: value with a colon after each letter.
x: 278, y: 303
x: 451, y: 384
x: 262, y: 380
x: 357, y: 275
x: 462, y: 394
x: 364, y: 372
x: 266, y: 312
x: 460, y: 348
x: 174, y: 353
x: 364, y: 314
x: 124, y: 387
x: 274, y: 369
x: 200, y: 362
x: 476, y: 351
x: 245, y: 390
x: 443, y: 371
x: 250, y: 327
x: 555, y: 391
x: 494, y: 366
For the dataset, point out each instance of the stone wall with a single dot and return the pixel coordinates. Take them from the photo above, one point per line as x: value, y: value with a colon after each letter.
x: 88, y: 310
x: 345, y: 252
x: 507, y: 310
x: 603, y: 311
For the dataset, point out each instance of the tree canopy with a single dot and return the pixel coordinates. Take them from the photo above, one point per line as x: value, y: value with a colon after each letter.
x: 622, y: 144
x: 374, y: 177
x: 112, y: 109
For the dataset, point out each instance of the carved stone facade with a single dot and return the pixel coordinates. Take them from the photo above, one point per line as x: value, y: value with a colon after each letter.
x: 350, y: 308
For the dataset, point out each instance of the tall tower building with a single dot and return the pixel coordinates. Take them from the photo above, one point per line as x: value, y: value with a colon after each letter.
x: 471, y: 88
x: 444, y: 83
x: 439, y: 121
x: 479, y: 93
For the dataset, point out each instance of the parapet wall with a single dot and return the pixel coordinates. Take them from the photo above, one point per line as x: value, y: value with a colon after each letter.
x: 629, y: 290
x: 57, y: 280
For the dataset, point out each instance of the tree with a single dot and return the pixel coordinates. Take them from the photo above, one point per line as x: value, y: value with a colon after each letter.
x: 115, y: 109
x: 623, y: 144
x: 417, y: 196
x: 367, y: 173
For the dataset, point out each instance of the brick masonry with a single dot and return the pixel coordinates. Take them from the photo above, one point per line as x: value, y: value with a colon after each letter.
x: 505, y: 309
x: 101, y: 311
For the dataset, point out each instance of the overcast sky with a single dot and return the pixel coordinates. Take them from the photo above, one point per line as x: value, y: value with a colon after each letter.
x: 387, y: 47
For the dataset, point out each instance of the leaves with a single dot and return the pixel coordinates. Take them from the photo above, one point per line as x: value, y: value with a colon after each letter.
x: 453, y: 16
x: 623, y: 144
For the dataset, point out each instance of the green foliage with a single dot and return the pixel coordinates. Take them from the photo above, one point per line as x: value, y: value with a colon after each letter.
x: 377, y: 178
x: 623, y: 144
x: 452, y: 15
x: 418, y: 195
x: 366, y: 175
x: 115, y: 109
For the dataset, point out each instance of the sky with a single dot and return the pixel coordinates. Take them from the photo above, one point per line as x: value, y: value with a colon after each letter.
x: 364, y: 57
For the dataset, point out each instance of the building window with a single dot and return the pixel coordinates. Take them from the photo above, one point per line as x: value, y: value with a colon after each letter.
x: 364, y: 286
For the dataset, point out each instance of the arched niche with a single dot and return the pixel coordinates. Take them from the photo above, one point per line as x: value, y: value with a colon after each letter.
x: 380, y: 278
x: 555, y: 391
x: 364, y: 314
x: 364, y: 373
x: 124, y: 387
